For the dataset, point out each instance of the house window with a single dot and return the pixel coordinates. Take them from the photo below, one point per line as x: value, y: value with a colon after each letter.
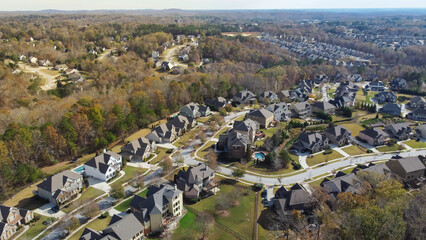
x: 11, y: 218
x: 5, y: 236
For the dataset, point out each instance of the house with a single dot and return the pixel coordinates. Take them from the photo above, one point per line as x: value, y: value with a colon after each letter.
x: 104, y: 166
x: 419, y: 114
x: 261, y: 116
x: 247, y: 127
x: 377, y: 86
x: 341, y: 183
x: 313, y: 142
x: 301, y: 110
x: 417, y: 102
x: 391, y: 109
x: 195, y: 181
x: 12, y: 217
x: 32, y: 60
x: 234, y: 144
x: 268, y: 97
x: 127, y: 227
x: 190, y: 110
x: 7, y: 231
x: 297, y: 198
x: 181, y: 124
x: 407, y: 169
x: 161, y: 204
x: 338, y: 135
x: 282, y: 95
x: 244, y: 97
x: 204, y: 110
x: 22, y: 57
x: 399, y: 131
x: 342, y: 101
x: 385, y: 96
x: 75, y: 77
x: 61, y: 187
x: 324, y: 107
x: 139, y: 149
x: 61, y: 67
x: 155, y: 54
x: 70, y: 70
x: 166, y: 66
x: 280, y: 111
x: 373, y: 136
x: 398, y: 83
x: 420, y: 131
x: 164, y: 133
x: 354, y: 78
x: 44, y: 63
x: 216, y: 103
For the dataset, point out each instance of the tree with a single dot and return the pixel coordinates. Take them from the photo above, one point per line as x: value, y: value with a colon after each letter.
x: 179, y: 159
x: 167, y: 166
x: 415, y: 216
x: 238, y: 172
x: 211, y: 157
x: 205, y: 223
x: 90, y: 210
x: 117, y: 191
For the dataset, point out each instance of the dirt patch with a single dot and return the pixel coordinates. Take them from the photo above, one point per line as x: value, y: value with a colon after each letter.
x: 222, y: 213
x: 235, y: 203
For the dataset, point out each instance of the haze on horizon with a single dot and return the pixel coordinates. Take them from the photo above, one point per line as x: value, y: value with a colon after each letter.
x: 29, y: 5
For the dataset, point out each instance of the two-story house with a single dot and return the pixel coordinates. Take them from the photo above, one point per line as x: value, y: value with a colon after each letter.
x: 244, y: 97
x: 164, y: 133
x: 385, y: 97
x: 417, y: 102
x: 338, y: 135
x: 11, y: 218
x: 195, y: 181
x: 399, y: 131
x: 161, y: 203
x: 418, y: 114
x: 313, y: 142
x: 61, y: 187
x: 247, y: 127
x: 261, y: 116
x: 324, y: 107
x: 268, y: 97
x: 234, y: 144
x: 104, y: 166
x: 407, y: 169
x: 301, y: 110
x: 280, y: 111
x: 139, y: 149
x: 373, y: 136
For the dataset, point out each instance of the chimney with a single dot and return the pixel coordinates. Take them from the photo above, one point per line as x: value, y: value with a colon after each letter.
x: 105, y: 150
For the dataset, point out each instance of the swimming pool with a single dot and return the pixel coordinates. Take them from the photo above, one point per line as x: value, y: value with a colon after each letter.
x: 259, y: 156
x: 79, y: 170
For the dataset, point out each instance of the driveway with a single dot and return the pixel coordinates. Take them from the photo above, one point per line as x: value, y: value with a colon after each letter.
x: 45, y: 210
x: 339, y: 150
x: 50, y: 80
x: 366, y: 146
x: 166, y: 146
x: 302, y: 159
x: 99, y: 184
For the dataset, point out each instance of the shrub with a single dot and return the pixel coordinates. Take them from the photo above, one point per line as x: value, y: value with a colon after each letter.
x: 117, y: 192
x: 296, y: 166
x: 369, y: 151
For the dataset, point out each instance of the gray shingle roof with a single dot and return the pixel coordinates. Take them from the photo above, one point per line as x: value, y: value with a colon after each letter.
x: 57, y: 181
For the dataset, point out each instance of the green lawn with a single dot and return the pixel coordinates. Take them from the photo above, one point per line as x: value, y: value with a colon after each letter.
x: 131, y: 172
x: 240, y: 219
x: 320, y: 158
x: 203, y: 119
x: 203, y: 151
x: 222, y: 131
x: 35, y: 228
x: 161, y: 153
x: 98, y: 224
x: 268, y: 133
x: 415, y: 144
x: 187, y: 137
x: 188, y: 230
x: 89, y: 194
x: 126, y: 204
x: 389, y: 148
x: 240, y: 118
x: 355, y: 150
x: 355, y: 128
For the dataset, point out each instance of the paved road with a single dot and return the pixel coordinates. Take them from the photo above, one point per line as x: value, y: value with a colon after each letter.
x: 324, y: 93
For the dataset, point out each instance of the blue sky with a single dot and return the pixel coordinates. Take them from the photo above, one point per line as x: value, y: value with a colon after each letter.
x: 15, y: 5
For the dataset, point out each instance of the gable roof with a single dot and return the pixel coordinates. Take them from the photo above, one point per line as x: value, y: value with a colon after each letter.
x: 338, y: 131
x: 263, y: 113
x: 374, y: 132
x: 57, y: 181
x: 101, y: 162
x: 409, y: 164
x: 324, y: 106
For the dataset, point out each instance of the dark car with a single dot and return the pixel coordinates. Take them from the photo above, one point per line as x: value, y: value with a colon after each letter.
x: 55, y: 209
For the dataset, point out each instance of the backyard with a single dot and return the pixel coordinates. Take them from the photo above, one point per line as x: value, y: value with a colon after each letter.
x: 130, y: 173
x: 89, y: 194
x: 321, y: 158
x: 355, y: 128
x: 35, y: 228
x: 126, y: 204
x: 203, y: 151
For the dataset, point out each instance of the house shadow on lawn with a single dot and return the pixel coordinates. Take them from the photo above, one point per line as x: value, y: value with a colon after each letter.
x: 31, y: 203
x: 266, y: 219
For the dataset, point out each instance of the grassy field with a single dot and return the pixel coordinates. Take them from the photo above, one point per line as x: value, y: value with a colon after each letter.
x: 320, y: 158
x: 161, y: 153
x: 50, y: 72
x: 203, y: 119
x: 389, y: 148
x: 362, y: 98
x: 131, y: 172
x: 355, y: 128
x: 89, y: 194
x: 98, y: 224
x: 222, y: 131
x: 240, y: 219
x: 126, y: 204
x: 415, y: 144
x: 355, y: 150
x: 35, y: 228
x: 25, y: 199
x: 203, y: 151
